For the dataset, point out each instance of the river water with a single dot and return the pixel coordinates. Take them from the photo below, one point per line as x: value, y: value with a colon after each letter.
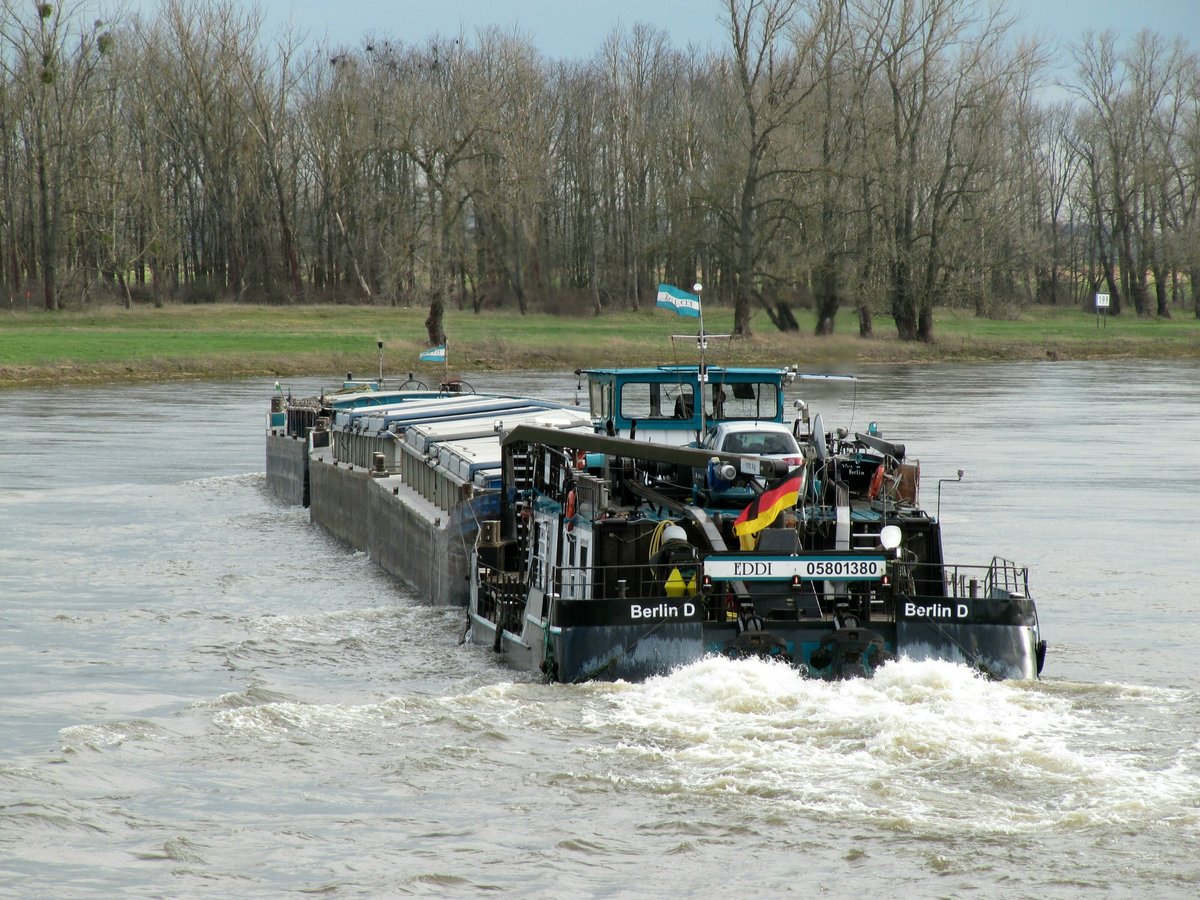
x: 201, y: 694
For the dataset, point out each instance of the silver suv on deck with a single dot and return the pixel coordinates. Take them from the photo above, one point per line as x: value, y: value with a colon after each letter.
x: 772, y: 440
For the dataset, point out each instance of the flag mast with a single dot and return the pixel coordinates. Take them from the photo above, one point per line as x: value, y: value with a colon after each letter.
x: 684, y: 304
x: 702, y: 343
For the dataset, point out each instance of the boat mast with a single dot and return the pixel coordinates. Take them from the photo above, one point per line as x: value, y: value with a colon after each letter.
x: 702, y: 343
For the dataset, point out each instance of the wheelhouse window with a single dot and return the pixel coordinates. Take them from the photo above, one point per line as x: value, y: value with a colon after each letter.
x: 636, y: 400
x: 755, y: 400
x: 654, y: 400
x: 600, y: 399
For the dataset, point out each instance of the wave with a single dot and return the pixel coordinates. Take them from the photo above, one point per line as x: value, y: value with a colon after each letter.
x: 104, y: 735
x: 252, y: 479
x: 255, y: 695
x: 928, y: 746
x: 301, y: 722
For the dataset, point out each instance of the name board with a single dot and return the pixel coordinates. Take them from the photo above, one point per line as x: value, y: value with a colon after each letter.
x: 567, y: 612
x: 933, y: 610
x: 831, y: 567
x: 918, y: 613
x: 662, y: 612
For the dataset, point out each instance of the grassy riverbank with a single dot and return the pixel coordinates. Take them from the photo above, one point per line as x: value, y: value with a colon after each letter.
x: 113, y: 344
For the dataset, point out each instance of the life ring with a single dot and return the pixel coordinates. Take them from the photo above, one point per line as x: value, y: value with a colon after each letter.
x: 876, y: 483
x: 571, y: 503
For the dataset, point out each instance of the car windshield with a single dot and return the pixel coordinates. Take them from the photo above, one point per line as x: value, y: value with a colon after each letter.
x: 759, y: 443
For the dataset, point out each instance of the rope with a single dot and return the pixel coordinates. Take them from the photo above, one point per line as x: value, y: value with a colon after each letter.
x: 656, y: 536
x: 549, y: 664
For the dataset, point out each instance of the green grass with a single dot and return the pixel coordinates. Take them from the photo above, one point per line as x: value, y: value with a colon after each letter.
x: 1050, y: 324
x: 116, y: 344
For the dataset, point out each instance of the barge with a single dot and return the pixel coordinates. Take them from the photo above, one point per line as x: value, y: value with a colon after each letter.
x: 616, y: 542
x: 404, y: 476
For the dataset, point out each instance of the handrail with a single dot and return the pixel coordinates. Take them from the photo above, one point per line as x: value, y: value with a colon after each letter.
x: 639, y: 580
x: 628, y: 580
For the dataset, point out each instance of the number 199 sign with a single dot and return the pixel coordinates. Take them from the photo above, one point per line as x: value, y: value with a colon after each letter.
x: 1102, y: 304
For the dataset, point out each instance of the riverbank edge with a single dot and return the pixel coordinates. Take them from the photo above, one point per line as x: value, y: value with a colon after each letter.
x: 814, y: 354
x: 111, y: 345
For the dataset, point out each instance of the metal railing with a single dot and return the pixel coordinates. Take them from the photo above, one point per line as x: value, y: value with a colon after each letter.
x: 632, y: 581
x: 500, y: 589
x: 1006, y: 576
x: 959, y: 582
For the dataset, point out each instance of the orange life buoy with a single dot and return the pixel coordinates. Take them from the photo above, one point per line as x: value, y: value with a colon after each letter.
x: 571, y: 503
x: 876, y: 483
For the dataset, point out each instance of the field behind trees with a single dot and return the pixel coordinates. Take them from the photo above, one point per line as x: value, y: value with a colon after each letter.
x: 840, y: 165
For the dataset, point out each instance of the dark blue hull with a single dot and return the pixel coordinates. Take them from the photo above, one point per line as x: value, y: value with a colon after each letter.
x: 635, y: 652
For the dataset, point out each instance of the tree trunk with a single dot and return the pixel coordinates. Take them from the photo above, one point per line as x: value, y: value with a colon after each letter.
x: 866, y: 327
x: 285, y: 229
x: 904, y: 307
x: 362, y: 282
x: 1132, y: 274
x: 744, y: 271
x: 1160, y: 294
x: 434, y: 329
x: 826, y: 294
x: 126, y: 298
x: 47, y: 232
x: 1114, y: 286
x: 1141, y: 294
x: 781, y: 316
x: 518, y: 272
x: 925, y: 323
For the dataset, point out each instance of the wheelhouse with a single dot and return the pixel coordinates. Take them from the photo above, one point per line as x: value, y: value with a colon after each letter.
x: 678, y: 404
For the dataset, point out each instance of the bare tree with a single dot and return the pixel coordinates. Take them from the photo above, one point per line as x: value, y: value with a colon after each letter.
x: 511, y: 177
x: 1186, y: 173
x: 943, y: 69
x: 1054, y: 164
x: 578, y: 182
x: 635, y: 71
x: 438, y: 100
x: 893, y: 154
x: 842, y: 88
x: 770, y: 86
x: 52, y: 63
x: 1133, y: 106
x: 270, y: 87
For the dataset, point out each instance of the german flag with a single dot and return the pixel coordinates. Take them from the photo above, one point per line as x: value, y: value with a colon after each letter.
x: 778, y: 496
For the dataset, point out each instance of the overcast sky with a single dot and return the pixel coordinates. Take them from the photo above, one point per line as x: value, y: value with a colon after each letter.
x: 573, y: 29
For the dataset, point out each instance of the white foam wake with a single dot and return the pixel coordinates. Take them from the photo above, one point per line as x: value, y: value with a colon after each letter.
x: 923, y: 745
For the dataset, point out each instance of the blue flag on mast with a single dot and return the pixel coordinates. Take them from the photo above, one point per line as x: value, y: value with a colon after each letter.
x: 671, y: 297
x: 434, y: 354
